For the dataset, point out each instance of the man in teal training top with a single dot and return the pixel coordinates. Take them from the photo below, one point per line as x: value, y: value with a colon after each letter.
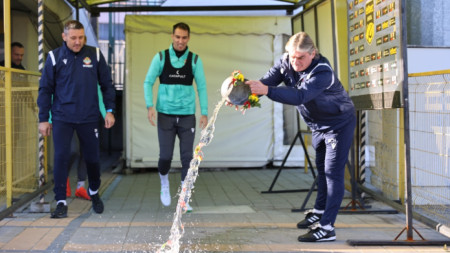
x: 176, y: 68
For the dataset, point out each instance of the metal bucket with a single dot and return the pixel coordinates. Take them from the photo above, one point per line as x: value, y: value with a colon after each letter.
x: 239, y: 94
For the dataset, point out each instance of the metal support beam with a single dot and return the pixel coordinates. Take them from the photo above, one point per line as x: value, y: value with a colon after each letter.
x: 85, y: 5
x: 8, y: 101
x: 289, y: 8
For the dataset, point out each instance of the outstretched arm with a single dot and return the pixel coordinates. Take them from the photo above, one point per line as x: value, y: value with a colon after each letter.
x: 257, y: 87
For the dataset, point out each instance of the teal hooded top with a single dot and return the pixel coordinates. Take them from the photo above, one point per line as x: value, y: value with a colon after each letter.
x: 176, y: 99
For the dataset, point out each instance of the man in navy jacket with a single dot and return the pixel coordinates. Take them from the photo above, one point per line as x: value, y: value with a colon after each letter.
x: 68, y: 88
x: 313, y: 87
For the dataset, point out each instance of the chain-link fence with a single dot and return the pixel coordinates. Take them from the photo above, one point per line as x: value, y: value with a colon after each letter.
x: 430, y: 144
x: 429, y: 113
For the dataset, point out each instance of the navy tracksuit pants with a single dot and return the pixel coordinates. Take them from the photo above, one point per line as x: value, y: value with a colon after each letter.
x: 332, y: 149
x: 169, y: 127
x: 76, y: 157
x: 89, y: 144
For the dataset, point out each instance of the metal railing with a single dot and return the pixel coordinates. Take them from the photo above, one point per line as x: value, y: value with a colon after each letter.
x: 18, y: 135
x: 117, y: 63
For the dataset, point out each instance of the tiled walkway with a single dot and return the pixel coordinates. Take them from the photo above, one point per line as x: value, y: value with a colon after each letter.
x: 230, y: 215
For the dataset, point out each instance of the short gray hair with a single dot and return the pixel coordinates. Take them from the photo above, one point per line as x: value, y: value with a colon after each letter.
x: 301, y: 42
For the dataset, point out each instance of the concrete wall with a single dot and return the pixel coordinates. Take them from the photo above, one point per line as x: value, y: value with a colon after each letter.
x: 428, y: 22
x: 23, y: 31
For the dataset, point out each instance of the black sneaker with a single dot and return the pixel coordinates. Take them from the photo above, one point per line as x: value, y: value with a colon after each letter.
x: 318, y: 235
x: 309, y: 220
x: 97, y: 203
x: 60, y: 211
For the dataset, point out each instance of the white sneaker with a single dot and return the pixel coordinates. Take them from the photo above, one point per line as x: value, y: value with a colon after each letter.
x: 165, y: 195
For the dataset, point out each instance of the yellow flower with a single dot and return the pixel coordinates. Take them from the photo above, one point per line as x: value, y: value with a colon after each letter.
x: 253, y: 98
x: 197, y: 150
x: 253, y: 101
x: 238, y: 75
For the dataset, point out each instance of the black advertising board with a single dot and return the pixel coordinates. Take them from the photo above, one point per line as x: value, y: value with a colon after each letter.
x: 375, y: 60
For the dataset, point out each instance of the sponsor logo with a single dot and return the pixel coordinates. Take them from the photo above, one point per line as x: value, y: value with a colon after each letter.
x: 177, y: 75
x: 87, y: 63
x: 333, y: 142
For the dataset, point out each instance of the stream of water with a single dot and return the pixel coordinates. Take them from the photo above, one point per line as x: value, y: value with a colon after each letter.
x: 177, y: 229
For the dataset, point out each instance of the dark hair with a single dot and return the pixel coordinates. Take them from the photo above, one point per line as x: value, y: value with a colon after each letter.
x: 182, y: 26
x: 72, y: 24
x: 17, y: 44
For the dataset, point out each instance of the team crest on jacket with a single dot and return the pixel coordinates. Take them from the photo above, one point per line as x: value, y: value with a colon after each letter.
x: 87, y: 63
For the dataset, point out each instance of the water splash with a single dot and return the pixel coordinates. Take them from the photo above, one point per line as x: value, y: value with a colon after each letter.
x: 207, y: 134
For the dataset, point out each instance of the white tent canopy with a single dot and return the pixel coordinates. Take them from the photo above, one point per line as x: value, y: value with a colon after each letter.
x: 249, y: 44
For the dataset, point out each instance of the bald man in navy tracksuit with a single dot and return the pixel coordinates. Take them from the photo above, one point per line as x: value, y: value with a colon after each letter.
x: 68, y: 88
x: 313, y: 87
